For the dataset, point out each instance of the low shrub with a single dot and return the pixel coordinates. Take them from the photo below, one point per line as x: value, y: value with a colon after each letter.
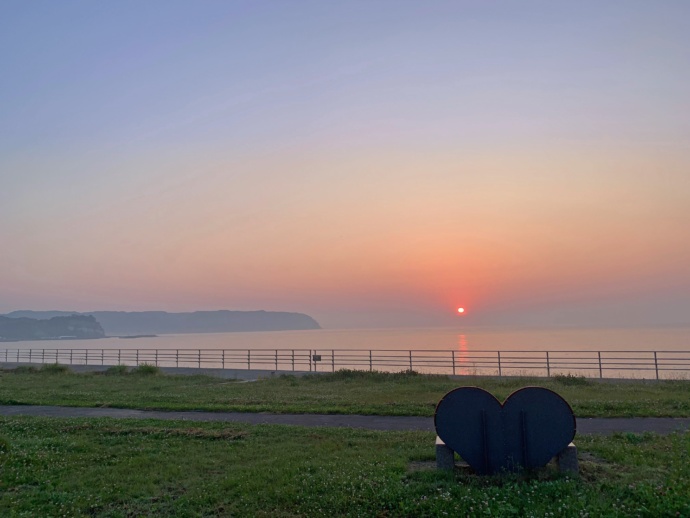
x: 25, y: 369
x: 4, y: 444
x: 54, y: 368
x: 146, y: 369
x: 117, y: 370
x: 357, y: 375
x: 570, y: 379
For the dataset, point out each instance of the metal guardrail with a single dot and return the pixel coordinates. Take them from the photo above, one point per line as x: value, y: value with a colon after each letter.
x: 593, y: 364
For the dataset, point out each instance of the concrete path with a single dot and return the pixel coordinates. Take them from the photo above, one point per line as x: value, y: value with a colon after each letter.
x: 662, y: 425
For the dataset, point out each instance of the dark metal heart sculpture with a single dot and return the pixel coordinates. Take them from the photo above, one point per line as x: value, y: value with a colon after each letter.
x: 527, y: 431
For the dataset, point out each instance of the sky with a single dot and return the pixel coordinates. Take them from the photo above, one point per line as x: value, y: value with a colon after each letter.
x: 372, y: 164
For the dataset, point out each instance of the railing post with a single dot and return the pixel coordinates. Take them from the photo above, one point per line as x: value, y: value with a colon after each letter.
x: 371, y: 366
x: 601, y: 371
x: 103, y: 356
x: 249, y: 359
x: 500, y: 373
x: 453, y: 351
x: 311, y: 356
x: 548, y: 365
x: 223, y: 358
x: 411, y: 360
x: 656, y: 366
x: 156, y: 358
x: 86, y: 356
x: 29, y: 355
x: 293, y: 360
x: 137, y: 357
x: 177, y: 357
x: 43, y: 356
x: 332, y: 360
x: 276, y: 359
x: 199, y: 358
x: 70, y: 356
x: 119, y: 361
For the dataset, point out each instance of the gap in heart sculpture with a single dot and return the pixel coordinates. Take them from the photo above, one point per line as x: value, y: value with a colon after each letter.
x: 532, y: 426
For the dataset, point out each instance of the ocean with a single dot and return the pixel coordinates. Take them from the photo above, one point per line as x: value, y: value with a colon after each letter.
x: 459, y: 339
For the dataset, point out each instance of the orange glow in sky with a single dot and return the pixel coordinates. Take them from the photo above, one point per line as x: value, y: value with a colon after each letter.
x: 301, y: 175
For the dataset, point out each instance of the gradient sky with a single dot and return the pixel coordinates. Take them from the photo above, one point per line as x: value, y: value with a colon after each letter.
x: 368, y: 163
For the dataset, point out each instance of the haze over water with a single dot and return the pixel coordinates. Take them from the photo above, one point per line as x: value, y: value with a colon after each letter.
x: 464, y: 340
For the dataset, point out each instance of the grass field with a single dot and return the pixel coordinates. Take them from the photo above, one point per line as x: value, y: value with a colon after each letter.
x: 344, y: 392
x: 107, y: 467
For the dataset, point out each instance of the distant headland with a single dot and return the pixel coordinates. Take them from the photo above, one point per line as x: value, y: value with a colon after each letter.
x: 63, y: 327
x: 133, y: 323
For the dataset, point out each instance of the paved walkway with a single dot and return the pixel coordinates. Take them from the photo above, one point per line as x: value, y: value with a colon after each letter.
x: 661, y: 425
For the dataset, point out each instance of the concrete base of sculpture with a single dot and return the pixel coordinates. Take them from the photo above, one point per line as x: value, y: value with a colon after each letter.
x: 566, y: 460
x: 445, y: 457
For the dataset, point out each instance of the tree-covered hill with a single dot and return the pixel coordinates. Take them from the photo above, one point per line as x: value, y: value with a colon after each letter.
x: 73, y: 326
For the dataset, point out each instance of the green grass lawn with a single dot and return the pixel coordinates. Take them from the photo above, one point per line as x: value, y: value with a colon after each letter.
x: 344, y: 392
x: 108, y: 467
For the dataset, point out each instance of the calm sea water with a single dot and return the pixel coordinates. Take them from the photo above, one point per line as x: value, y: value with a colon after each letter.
x: 458, y: 339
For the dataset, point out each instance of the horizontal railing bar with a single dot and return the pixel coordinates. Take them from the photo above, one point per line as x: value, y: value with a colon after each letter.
x: 345, y: 352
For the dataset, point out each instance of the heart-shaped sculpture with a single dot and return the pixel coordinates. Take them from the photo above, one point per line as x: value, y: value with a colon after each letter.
x: 527, y: 431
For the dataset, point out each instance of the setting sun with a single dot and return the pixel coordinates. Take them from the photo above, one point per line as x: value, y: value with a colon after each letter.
x: 461, y: 310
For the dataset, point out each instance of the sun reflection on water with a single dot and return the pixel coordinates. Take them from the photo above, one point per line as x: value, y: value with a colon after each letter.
x: 461, y: 357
